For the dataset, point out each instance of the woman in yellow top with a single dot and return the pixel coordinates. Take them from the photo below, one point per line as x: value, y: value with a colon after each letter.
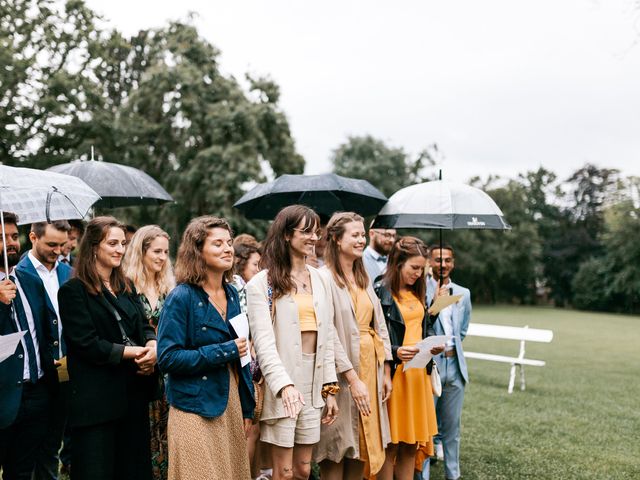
x: 412, y: 414
x: 354, y: 446
x: 290, y: 318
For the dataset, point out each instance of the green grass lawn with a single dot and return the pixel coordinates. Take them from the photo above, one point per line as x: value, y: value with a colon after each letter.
x: 579, y: 416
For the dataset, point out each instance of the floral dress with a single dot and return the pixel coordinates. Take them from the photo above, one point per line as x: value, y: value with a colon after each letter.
x: 158, y: 409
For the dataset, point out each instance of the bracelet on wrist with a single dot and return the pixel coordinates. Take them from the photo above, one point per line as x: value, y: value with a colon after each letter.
x: 330, y: 389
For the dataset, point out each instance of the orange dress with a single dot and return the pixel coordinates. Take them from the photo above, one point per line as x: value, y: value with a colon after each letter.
x: 412, y: 414
x: 371, y: 354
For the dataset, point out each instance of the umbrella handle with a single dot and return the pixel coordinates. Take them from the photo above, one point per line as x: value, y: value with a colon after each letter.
x: 4, y: 245
x: 48, y: 204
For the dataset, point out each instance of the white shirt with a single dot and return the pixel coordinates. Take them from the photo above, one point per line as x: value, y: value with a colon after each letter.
x: 446, y: 318
x: 51, y: 285
x: 374, y: 263
x: 32, y: 330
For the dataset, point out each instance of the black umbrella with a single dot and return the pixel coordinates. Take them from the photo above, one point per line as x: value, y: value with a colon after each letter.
x: 325, y: 194
x: 118, y: 185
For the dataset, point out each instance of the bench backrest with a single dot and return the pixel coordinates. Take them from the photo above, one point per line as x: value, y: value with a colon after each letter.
x: 510, y: 333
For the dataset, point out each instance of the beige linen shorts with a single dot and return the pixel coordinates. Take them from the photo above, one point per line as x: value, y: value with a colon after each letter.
x: 305, y: 428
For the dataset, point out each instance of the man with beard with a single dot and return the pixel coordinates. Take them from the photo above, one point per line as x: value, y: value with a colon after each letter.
x: 375, y: 255
x: 454, y: 321
x: 28, y: 378
x: 42, y: 269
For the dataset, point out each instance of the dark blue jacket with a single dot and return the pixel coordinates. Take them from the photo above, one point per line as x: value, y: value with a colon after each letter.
x: 11, y: 370
x: 63, y: 272
x: 195, y: 347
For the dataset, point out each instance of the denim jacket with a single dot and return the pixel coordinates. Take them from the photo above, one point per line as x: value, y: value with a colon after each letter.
x: 195, y: 348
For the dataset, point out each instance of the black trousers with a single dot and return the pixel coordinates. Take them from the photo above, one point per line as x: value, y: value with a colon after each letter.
x: 19, y: 442
x: 115, y: 450
x: 47, y: 459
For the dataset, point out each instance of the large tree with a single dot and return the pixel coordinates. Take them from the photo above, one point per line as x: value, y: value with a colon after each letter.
x: 158, y: 101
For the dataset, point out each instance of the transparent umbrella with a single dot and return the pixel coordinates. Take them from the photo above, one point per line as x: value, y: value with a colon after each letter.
x: 40, y: 195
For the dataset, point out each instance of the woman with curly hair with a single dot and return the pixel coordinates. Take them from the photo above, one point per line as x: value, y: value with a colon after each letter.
x: 210, y: 394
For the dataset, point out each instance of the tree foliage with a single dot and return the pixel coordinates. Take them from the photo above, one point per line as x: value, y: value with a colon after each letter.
x: 387, y: 168
x: 156, y: 101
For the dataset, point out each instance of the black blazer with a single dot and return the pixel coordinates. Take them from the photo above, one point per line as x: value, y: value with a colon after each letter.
x: 103, y: 385
x: 395, y: 323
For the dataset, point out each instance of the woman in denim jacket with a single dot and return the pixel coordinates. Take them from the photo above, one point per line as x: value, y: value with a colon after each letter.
x: 210, y: 394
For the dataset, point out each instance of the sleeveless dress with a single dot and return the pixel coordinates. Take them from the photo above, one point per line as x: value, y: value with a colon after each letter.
x: 371, y: 354
x: 412, y: 414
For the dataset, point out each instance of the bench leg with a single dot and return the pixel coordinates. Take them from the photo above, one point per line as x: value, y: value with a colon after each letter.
x: 512, y: 377
x: 522, y: 386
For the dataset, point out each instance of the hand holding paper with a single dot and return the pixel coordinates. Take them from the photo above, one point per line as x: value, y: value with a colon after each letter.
x: 424, y: 355
x: 240, y: 325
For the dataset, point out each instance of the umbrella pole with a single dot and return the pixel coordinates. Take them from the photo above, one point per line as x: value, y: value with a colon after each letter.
x: 440, y: 279
x: 440, y: 276
x: 4, y: 245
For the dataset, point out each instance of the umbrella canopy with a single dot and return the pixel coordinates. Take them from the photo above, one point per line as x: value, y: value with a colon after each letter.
x: 441, y: 205
x: 118, y: 185
x: 326, y: 194
x: 37, y: 195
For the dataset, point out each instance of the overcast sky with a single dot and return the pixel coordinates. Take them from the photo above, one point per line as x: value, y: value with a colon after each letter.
x: 501, y: 86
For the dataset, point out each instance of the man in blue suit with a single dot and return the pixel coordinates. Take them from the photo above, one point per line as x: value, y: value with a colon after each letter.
x: 28, y: 378
x: 45, y: 274
x: 453, y: 320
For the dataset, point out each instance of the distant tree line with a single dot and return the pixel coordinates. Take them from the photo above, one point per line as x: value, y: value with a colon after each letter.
x: 574, y: 241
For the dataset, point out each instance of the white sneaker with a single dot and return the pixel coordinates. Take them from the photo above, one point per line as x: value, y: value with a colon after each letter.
x: 439, y: 451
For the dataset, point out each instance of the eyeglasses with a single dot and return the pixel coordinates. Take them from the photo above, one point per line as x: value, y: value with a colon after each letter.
x: 309, y: 233
x: 387, y: 235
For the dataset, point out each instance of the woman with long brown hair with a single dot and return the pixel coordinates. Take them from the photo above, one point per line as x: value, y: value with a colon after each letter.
x: 210, y: 394
x: 412, y: 416
x: 111, y: 354
x: 354, y: 446
x: 291, y: 319
x: 146, y: 263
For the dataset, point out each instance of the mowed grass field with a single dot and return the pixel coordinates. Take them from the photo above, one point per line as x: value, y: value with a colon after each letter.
x: 579, y: 417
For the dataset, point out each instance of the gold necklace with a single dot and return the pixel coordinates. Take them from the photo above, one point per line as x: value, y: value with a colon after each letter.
x: 221, y: 310
x: 303, y: 282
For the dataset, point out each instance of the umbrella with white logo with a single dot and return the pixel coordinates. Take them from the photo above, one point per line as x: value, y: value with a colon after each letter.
x: 441, y: 205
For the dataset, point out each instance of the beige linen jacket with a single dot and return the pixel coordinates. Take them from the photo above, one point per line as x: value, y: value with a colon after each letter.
x: 342, y: 438
x: 278, y: 344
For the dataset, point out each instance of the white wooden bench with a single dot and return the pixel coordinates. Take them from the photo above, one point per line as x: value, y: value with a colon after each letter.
x: 522, y: 334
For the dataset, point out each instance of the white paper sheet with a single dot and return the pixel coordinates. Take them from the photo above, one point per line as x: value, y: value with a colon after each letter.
x: 9, y: 343
x: 240, y: 325
x: 424, y: 355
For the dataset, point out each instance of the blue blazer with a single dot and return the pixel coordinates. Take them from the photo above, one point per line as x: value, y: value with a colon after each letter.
x: 31, y: 289
x: 460, y: 318
x: 195, y: 347
x: 12, y: 369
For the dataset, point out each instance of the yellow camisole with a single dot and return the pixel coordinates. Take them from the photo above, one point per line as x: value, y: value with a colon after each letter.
x: 306, y: 312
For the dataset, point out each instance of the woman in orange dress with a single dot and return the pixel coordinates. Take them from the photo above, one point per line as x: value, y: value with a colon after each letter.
x: 354, y: 446
x: 412, y: 415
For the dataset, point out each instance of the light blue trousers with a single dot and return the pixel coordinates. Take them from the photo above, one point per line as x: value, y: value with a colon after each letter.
x: 449, y: 412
